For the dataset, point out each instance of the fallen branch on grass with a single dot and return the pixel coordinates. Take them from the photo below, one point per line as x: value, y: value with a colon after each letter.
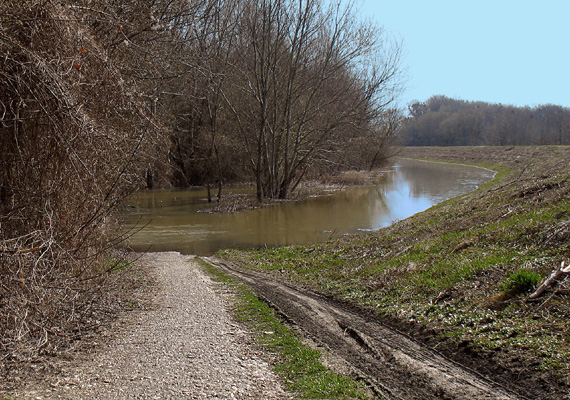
x: 552, y: 279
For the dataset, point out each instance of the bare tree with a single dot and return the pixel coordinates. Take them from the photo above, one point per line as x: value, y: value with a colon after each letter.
x: 310, y: 77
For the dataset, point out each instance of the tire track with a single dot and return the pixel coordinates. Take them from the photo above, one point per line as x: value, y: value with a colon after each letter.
x: 394, y: 365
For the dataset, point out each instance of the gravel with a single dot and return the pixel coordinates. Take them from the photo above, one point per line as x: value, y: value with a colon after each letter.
x: 185, y: 347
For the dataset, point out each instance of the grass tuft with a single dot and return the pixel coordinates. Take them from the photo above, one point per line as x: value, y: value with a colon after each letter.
x: 519, y: 282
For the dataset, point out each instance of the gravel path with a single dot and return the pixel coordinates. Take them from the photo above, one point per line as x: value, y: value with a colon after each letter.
x: 187, y: 347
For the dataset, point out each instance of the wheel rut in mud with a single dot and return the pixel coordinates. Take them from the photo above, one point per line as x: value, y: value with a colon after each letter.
x: 394, y: 365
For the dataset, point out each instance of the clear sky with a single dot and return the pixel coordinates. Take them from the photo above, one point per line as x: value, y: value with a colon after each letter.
x: 498, y: 51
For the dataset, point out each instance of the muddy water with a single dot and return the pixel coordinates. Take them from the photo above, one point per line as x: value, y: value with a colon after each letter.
x: 170, y: 220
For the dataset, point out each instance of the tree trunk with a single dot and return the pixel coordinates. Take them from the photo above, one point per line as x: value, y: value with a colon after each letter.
x: 209, y: 192
x: 219, y: 190
x: 149, y: 179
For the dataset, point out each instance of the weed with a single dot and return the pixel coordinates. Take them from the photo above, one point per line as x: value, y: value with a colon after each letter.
x: 119, y: 265
x: 521, y: 281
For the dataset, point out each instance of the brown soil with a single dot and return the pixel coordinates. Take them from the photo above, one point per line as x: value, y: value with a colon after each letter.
x: 394, y: 364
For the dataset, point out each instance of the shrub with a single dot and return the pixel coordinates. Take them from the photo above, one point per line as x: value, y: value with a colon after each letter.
x: 73, y: 135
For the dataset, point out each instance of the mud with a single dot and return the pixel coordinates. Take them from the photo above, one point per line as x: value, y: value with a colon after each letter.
x: 393, y: 364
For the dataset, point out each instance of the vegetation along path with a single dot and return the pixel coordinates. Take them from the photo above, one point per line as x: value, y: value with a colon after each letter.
x: 393, y: 364
x: 187, y: 346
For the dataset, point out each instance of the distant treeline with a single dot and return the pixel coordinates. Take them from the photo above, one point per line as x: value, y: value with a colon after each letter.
x: 442, y: 121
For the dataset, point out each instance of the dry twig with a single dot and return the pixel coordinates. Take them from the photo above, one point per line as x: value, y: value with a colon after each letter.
x: 556, y: 275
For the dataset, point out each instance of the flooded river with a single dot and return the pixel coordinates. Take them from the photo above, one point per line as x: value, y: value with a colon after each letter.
x: 169, y: 220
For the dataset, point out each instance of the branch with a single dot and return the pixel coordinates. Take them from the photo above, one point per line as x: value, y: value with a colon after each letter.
x: 552, y: 279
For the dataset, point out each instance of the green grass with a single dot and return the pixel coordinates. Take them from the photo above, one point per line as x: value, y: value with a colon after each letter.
x: 119, y: 265
x: 521, y: 281
x: 448, y: 268
x: 297, y: 364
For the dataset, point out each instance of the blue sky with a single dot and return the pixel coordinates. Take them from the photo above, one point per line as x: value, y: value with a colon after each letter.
x: 498, y: 51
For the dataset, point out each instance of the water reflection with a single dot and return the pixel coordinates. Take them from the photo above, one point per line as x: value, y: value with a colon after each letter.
x: 172, y: 222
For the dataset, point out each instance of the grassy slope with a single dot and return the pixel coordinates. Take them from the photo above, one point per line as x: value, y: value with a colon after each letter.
x: 442, y: 271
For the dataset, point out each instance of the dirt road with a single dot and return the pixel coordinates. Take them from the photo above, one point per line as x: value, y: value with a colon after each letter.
x: 394, y: 365
x: 186, y: 347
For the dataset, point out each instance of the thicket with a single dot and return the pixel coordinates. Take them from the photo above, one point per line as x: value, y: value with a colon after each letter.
x: 442, y: 121
x: 275, y: 90
x: 73, y: 142
x: 99, y: 98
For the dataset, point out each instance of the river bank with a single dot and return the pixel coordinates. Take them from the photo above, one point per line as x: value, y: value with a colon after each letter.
x: 443, y: 275
x: 438, y: 276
